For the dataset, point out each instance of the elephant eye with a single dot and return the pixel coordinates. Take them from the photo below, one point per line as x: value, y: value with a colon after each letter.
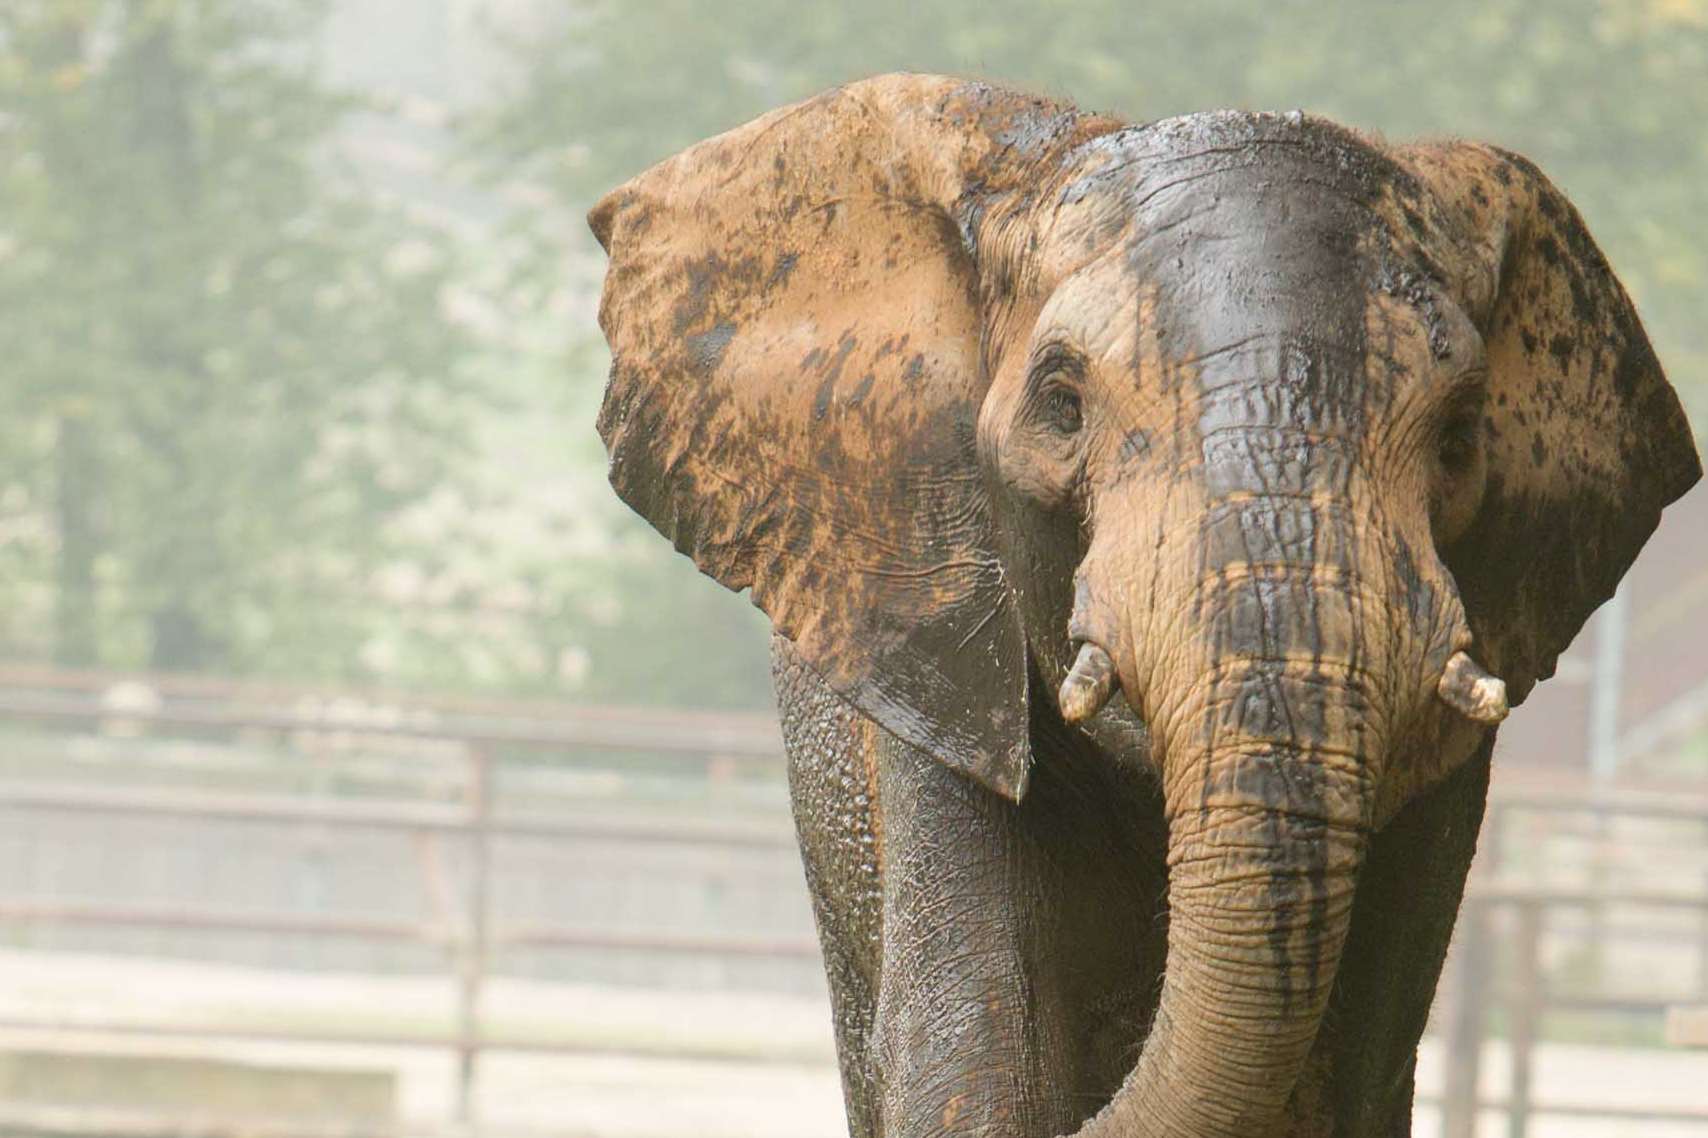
x: 1459, y: 437
x: 1062, y: 410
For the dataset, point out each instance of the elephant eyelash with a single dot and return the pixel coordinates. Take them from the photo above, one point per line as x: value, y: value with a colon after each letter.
x: 1055, y: 398
x: 1062, y: 409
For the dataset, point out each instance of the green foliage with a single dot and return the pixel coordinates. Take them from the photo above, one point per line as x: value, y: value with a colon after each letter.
x: 228, y: 370
x: 1606, y: 95
x: 239, y: 431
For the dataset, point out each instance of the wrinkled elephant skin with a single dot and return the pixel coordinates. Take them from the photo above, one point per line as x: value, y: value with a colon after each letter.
x: 1156, y: 521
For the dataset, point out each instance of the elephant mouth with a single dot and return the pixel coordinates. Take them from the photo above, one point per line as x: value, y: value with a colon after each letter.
x: 1465, y: 686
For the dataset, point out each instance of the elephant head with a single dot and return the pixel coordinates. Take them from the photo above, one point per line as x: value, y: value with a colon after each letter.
x: 1295, y: 440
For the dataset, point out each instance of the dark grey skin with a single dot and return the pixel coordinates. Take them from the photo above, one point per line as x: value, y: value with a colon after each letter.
x: 1156, y: 521
x: 1064, y: 898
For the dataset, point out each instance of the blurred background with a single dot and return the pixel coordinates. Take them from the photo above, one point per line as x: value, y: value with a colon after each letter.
x: 365, y: 769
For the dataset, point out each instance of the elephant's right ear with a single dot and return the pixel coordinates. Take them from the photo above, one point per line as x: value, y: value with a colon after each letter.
x: 793, y: 312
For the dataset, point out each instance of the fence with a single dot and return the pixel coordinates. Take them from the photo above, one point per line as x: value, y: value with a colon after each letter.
x: 1475, y: 991
x: 471, y: 937
x: 468, y: 942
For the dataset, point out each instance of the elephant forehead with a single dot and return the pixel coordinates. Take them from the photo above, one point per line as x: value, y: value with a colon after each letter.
x: 1144, y: 164
x: 1247, y: 223
x: 1230, y: 249
x: 1282, y: 380
x: 1329, y: 361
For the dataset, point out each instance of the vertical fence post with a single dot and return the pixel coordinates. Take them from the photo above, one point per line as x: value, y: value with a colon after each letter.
x: 1466, y: 1014
x: 1702, y: 937
x: 1491, y: 846
x: 472, y: 946
x: 1605, y: 696
x: 1523, y: 1006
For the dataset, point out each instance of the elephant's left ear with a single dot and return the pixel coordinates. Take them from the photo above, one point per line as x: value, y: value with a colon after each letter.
x: 793, y: 312
x: 1586, y: 440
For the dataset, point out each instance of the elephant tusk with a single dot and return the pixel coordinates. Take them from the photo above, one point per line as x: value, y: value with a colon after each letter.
x: 1471, y: 691
x: 1089, y: 684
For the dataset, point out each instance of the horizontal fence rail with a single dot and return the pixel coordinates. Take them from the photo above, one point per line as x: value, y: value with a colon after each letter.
x: 468, y: 940
x: 469, y: 936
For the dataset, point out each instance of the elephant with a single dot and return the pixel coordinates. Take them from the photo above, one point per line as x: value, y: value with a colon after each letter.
x: 1155, y: 522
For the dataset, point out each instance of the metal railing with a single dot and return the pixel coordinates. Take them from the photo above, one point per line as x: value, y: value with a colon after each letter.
x: 469, y: 940
x: 1474, y: 989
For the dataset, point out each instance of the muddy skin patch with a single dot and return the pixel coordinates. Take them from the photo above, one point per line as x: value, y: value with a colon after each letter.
x: 804, y: 315
x: 706, y: 349
x: 1585, y: 441
x: 1265, y: 298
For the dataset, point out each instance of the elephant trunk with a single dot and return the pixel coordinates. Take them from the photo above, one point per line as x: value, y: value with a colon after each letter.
x: 1259, y: 904
x: 1271, y: 729
x: 1265, y: 845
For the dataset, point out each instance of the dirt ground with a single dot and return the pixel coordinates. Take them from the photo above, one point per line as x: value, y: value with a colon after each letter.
x: 637, y: 1064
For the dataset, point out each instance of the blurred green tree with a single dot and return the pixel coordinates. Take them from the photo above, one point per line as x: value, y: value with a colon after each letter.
x: 228, y: 368
x: 239, y: 431
x: 1606, y: 95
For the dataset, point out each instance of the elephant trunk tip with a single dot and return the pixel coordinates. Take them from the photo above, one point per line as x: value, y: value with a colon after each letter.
x: 1471, y: 691
x: 1089, y: 684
